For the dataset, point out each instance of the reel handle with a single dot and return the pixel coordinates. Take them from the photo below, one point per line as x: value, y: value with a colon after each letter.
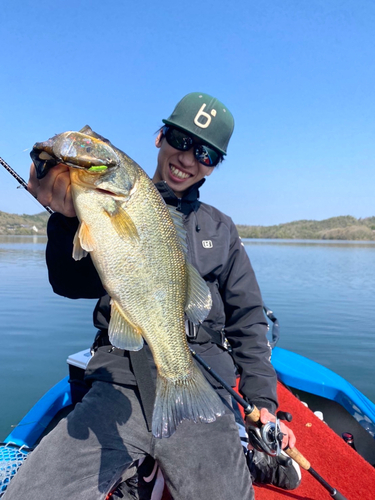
x: 284, y: 415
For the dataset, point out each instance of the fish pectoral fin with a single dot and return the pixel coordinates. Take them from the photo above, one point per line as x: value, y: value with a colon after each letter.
x: 198, y: 298
x: 123, y: 223
x: 78, y: 251
x: 82, y: 242
x: 123, y: 334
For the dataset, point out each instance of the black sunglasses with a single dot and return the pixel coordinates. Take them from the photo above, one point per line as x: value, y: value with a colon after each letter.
x: 183, y: 142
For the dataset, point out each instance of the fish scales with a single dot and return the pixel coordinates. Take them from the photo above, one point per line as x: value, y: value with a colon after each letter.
x: 149, y: 280
x: 139, y: 254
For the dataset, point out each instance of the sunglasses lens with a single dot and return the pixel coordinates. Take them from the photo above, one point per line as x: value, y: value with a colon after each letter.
x: 207, y: 156
x: 179, y: 140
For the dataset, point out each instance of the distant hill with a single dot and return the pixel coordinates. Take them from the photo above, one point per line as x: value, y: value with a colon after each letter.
x: 335, y: 228
x: 23, y: 224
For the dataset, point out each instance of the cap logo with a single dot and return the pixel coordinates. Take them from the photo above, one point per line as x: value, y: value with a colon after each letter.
x: 206, y: 117
x: 207, y: 244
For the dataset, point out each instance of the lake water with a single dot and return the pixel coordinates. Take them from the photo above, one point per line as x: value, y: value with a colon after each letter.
x: 321, y: 292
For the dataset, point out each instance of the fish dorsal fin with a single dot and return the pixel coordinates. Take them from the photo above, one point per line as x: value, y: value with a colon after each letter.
x: 122, y: 223
x: 87, y: 130
x: 122, y: 332
x: 82, y: 243
x: 198, y: 298
x: 179, y: 225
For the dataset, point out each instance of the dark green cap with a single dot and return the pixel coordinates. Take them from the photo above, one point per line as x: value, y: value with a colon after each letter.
x: 204, y: 117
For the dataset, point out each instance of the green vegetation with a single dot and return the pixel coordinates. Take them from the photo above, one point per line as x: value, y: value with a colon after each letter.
x: 335, y: 228
x: 23, y: 224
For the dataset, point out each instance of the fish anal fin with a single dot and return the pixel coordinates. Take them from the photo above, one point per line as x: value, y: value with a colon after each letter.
x: 123, y: 223
x: 123, y: 334
x: 82, y: 242
x: 198, y: 297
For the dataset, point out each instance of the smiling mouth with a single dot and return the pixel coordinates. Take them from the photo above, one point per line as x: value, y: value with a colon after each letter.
x: 178, y: 173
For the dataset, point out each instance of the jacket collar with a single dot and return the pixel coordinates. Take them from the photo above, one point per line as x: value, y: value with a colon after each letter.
x: 188, y: 203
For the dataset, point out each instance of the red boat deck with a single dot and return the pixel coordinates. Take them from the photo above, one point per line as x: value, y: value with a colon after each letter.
x: 341, y: 466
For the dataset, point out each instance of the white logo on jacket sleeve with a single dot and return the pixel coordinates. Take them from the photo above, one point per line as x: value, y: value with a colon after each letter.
x: 207, y: 244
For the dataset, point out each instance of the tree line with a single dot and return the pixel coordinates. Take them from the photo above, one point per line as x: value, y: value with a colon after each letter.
x: 334, y: 228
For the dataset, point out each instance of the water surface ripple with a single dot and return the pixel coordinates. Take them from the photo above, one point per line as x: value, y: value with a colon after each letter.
x: 323, y: 295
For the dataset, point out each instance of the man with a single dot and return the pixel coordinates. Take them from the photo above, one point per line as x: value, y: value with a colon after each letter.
x: 104, y: 439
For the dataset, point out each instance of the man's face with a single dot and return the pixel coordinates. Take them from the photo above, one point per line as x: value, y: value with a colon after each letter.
x: 179, y: 169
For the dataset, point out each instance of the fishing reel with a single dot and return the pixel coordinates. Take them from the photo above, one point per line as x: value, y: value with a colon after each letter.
x: 268, y: 438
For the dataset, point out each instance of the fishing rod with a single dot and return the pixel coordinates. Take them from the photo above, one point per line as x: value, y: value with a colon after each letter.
x: 21, y: 181
x: 268, y: 437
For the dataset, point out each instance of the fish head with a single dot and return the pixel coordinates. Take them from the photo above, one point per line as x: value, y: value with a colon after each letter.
x: 96, y: 166
x: 75, y: 149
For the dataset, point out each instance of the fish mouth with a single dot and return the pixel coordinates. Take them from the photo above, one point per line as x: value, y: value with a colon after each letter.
x: 82, y: 181
x: 106, y: 192
x: 73, y: 165
x: 103, y: 191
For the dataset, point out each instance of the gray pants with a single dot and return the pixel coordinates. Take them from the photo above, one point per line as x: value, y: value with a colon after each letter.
x: 99, y: 443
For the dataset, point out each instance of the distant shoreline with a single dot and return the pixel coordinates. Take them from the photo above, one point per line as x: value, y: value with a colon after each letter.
x: 345, y: 227
x: 23, y: 224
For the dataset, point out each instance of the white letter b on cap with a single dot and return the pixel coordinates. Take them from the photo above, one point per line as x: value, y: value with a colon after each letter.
x: 205, y: 115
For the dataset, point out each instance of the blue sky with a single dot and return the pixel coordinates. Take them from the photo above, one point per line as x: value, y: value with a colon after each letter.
x: 298, y: 76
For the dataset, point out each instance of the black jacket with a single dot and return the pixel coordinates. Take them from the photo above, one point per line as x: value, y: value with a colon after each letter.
x: 216, y: 250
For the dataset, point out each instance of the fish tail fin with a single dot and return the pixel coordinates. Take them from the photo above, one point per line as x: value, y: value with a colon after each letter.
x: 191, y: 398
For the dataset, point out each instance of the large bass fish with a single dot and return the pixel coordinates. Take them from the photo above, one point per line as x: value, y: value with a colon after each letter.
x: 138, y: 248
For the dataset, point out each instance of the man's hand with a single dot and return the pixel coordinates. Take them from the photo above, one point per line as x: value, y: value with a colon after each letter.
x: 54, y: 190
x: 289, y: 438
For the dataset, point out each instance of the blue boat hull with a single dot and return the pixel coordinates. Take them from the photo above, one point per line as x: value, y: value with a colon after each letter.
x: 293, y: 370
x: 301, y: 373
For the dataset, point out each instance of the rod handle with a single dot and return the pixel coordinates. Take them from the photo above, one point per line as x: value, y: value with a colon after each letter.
x: 253, y: 413
x: 298, y: 457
